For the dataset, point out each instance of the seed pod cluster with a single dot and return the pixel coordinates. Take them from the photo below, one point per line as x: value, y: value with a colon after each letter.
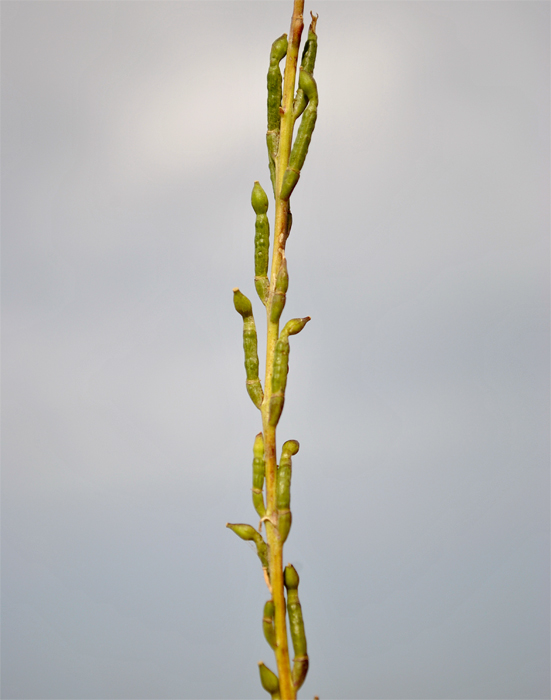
x: 283, y: 488
x: 259, y: 201
x: 259, y: 467
x: 296, y: 624
x: 302, y: 142
x: 275, y: 92
x: 274, y: 506
x: 250, y: 344
x: 248, y: 533
x: 308, y: 63
x: 280, y: 294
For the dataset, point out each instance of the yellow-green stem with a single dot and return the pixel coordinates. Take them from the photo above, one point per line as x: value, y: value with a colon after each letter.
x: 287, y: 689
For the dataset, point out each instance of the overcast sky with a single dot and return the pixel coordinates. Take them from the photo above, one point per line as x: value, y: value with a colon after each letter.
x: 132, y: 133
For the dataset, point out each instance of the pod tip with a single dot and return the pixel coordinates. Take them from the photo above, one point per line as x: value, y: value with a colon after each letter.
x: 235, y: 289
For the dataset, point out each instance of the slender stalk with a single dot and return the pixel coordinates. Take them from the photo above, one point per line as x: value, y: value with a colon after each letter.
x: 285, y: 163
x: 287, y: 689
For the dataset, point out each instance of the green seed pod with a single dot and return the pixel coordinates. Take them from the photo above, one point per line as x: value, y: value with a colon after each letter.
x: 268, y: 678
x: 268, y: 623
x: 283, y: 489
x: 283, y: 479
x: 307, y: 63
x: 304, y: 135
x: 259, y: 200
x: 248, y: 533
x: 281, y: 286
x: 281, y: 365
x: 279, y: 379
x: 311, y: 46
x: 244, y: 307
x: 300, y: 669
x: 274, y: 80
x: 296, y: 625
x: 284, y: 522
x: 259, y: 467
x: 275, y: 93
x: 294, y: 326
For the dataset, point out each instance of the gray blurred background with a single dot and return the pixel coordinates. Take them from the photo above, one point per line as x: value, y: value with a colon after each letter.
x: 132, y: 135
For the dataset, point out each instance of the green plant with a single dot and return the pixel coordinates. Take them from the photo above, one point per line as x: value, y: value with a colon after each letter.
x: 272, y: 483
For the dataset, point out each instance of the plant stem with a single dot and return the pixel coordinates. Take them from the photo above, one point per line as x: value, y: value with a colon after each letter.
x: 286, y: 686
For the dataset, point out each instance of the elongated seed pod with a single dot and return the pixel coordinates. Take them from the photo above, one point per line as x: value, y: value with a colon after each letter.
x: 274, y: 81
x: 244, y: 307
x: 259, y: 468
x: 248, y: 533
x: 281, y: 367
x: 311, y: 46
x: 259, y: 201
x: 294, y: 326
x: 308, y: 63
x: 275, y: 93
x: 280, y: 294
x: 283, y: 479
x: 296, y: 624
x: 268, y: 623
x: 283, y: 489
x: 279, y: 379
x: 304, y: 135
x: 268, y: 678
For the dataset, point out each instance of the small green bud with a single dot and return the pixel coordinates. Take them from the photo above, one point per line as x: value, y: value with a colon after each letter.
x: 259, y: 199
x: 242, y: 305
x: 294, y: 326
x: 291, y: 577
x: 279, y: 49
x: 246, y: 532
x: 268, y: 678
x: 289, y: 449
